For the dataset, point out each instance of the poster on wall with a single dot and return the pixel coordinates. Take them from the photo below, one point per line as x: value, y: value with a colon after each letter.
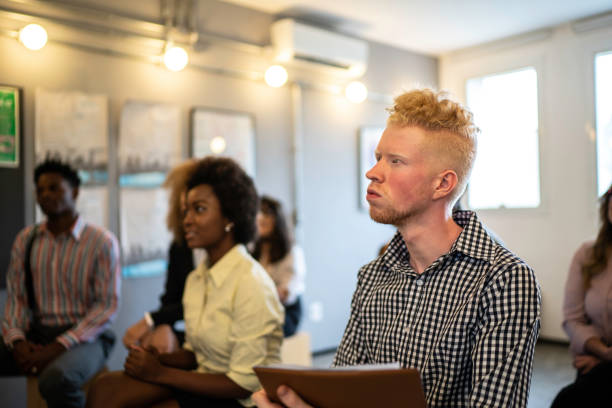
x: 10, y: 104
x: 368, y: 140
x: 73, y: 127
x: 144, y: 236
x: 224, y: 133
x: 149, y: 143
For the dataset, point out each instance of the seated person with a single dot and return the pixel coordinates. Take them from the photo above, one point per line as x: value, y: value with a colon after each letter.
x: 157, y: 328
x: 62, y: 293
x: 233, y: 318
x: 284, y: 263
x: 444, y: 298
x: 586, y: 309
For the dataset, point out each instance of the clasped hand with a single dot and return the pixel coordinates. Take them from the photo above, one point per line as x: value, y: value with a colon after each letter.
x: 32, y: 358
x: 143, y: 363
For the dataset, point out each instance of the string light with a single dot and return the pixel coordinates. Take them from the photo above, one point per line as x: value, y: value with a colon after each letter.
x: 33, y: 37
x: 276, y: 76
x: 356, y: 92
x: 217, y: 145
x: 176, y: 58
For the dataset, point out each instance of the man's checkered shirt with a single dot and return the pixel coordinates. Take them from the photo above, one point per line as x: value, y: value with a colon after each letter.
x: 468, y: 323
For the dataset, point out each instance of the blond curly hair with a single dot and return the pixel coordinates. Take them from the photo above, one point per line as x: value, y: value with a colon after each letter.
x: 450, y: 127
x: 176, y: 182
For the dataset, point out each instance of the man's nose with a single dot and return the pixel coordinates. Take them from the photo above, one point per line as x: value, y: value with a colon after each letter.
x: 375, y: 173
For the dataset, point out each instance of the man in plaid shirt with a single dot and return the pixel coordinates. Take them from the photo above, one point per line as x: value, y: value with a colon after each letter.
x: 444, y: 297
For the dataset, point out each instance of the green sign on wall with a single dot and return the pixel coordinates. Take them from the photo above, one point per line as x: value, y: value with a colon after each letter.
x: 9, y: 126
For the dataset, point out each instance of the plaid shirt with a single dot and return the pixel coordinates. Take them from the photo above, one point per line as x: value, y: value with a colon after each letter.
x: 468, y: 323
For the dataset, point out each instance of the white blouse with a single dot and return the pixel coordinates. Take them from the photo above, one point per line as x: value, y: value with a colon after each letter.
x: 289, y: 273
x: 233, y: 318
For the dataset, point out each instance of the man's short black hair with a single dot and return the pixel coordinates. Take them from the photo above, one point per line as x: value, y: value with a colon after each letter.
x: 235, y: 191
x: 56, y: 166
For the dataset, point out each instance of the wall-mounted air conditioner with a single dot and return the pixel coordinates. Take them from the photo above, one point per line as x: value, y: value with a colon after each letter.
x: 298, y: 42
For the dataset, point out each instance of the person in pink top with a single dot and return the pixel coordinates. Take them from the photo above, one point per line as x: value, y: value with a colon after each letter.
x: 587, y: 311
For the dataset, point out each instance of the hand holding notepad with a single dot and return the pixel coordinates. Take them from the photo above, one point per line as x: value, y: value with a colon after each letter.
x: 357, y: 386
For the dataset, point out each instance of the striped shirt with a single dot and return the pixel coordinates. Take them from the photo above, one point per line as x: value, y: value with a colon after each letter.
x: 468, y: 323
x: 76, y: 279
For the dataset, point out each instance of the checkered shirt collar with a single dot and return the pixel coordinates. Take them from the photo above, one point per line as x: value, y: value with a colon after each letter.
x: 473, y: 241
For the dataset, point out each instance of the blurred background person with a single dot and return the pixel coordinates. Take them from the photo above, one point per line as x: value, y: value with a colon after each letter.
x: 233, y: 318
x: 156, y: 328
x: 283, y: 261
x: 587, y: 312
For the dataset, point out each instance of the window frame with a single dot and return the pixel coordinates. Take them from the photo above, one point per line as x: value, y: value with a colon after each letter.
x: 502, y: 66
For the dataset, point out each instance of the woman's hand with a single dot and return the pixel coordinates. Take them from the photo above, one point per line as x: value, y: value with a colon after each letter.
x: 283, y: 293
x: 585, y: 362
x: 135, y: 332
x: 162, y: 339
x: 143, y: 364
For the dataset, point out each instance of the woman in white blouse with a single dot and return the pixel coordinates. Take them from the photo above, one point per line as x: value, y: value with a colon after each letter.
x: 284, y: 262
x: 232, y: 314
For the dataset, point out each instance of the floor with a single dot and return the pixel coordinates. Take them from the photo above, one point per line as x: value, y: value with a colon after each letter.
x: 552, y: 369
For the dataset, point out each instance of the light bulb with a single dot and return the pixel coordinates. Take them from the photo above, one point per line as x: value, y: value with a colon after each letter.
x: 356, y: 92
x: 176, y: 58
x: 276, y: 76
x: 33, y: 37
x: 217, y: 145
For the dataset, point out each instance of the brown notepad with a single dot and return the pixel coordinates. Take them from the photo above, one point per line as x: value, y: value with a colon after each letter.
x: 346, y: 387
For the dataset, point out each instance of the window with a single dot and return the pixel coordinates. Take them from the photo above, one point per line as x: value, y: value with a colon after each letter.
x: 506, y: 172
x: 603, y: 120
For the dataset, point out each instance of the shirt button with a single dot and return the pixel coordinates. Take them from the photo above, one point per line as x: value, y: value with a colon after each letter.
x: 419, y: 282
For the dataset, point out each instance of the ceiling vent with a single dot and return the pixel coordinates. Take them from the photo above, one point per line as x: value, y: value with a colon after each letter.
x: 297, y: 42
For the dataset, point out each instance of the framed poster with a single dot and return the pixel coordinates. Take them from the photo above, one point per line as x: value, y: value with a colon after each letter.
x: 10, y: 106
x: 12, y: 172
x: 144, y: 236
x: 224, y: 133
x: 73, y: 127
x: 149, y: 142
x: 368, y: 140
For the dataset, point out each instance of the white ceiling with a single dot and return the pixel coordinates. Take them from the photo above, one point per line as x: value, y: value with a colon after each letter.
x: 433, y: 26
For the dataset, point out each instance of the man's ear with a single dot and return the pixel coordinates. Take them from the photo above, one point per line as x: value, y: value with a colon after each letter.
x: 445, y: 184
x: 75, y: 193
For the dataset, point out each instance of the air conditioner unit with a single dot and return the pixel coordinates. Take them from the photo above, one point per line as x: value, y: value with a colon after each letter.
x: 297, y: 42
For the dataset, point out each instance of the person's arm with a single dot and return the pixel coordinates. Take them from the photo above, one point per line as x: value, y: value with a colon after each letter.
x: 180, y: 264
x: 598, y: 348
x: 256, y: 330
x: 504, y: 344
x: 146, y: 366
x: 183, y: 359
x: 576, y: 323
x: 107, y: 281
x: 292, y: 273
x: 17, y: 314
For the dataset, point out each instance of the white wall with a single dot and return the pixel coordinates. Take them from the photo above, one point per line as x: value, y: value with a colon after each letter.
x: 548, y: 236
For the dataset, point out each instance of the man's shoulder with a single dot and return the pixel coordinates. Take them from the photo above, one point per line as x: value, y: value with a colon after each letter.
x: 507, y: 265
x: 24, y: 234
x: 98, y: 233
x: 373, y: 270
